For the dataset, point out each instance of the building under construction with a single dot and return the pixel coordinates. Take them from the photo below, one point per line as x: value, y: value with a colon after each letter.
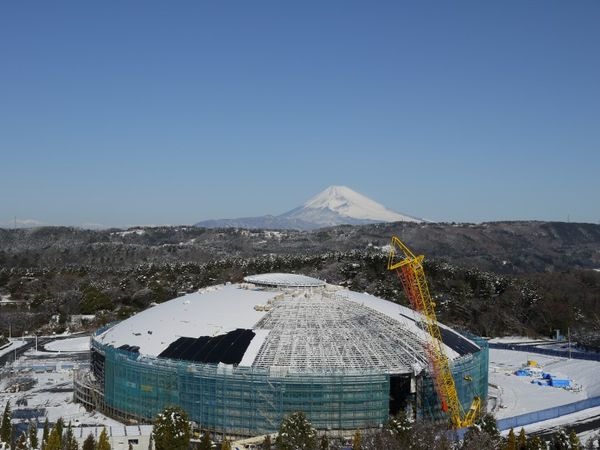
x: 239, y: 357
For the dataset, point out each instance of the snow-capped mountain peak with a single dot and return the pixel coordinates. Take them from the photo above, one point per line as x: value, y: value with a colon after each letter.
x: 336, y: 205
x: 349, y: 203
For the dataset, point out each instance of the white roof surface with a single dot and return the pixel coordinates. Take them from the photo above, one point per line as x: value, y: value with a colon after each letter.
x: 302, y: 329
x: 209, y: 312
x: 284, y: 280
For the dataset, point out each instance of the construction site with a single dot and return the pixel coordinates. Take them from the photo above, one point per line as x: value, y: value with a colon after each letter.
x: 240, y: 357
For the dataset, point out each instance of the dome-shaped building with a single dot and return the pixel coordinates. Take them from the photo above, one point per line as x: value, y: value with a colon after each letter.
x: 239, y: 357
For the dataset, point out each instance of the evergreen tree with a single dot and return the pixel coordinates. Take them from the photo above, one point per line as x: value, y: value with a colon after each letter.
x: 33, y: 438
x: 400, y: 428
x: 593, y: 442
x: 487, y: 423
x: 103, y: 443
x: 522, y: 440
x: 483, y: 434
x: 324, y: 444
x: 535, y: 443
x: 60, y: 425
x: 6, y: 426
x: 89, y: 443
x: 561, y: 441
x: 511, y: 441
x: 296, y: 432
x: 226, y: 444
x: 172, y: 430
x: 574, y: 442
x: 69, y: 441
x: 205, y: 442
x: 357, y: 441
x: 45, y: 434
x: 266, y: 445
x: 54, y: 440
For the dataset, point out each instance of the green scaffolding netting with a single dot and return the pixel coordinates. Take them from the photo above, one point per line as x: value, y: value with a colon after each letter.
x: 249, y: 401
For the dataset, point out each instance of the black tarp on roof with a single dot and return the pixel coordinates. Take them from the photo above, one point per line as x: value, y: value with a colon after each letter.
x: 452, y: 339
x: 457, y: 342
x: 226, y: 348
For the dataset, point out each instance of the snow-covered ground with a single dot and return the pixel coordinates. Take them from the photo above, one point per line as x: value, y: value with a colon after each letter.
x: 517, y: 395
x: 46, y: 382
x: 78, y: 344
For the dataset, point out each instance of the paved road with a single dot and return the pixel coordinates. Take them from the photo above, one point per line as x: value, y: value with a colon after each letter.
x: 10, y: 356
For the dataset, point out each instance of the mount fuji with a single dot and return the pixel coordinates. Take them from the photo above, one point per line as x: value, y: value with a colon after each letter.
x: 336, y: 205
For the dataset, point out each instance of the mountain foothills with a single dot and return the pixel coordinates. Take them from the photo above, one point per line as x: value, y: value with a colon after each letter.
x: 336, y: 205
x: 491, y: 278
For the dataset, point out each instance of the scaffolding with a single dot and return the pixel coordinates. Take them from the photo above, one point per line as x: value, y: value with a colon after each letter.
x: 324, y: 332
x: 241, y: 401
x: 247, y: 401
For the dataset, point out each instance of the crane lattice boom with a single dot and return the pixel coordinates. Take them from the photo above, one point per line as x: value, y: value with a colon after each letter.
x: 409, y: 269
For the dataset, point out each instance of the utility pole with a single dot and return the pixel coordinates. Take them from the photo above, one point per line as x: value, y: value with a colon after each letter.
x: 569, y: 338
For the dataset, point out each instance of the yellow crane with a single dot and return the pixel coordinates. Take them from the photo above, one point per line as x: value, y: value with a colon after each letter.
x: 409, y: 269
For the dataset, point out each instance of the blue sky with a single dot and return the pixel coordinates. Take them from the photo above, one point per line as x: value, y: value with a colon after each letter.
x: 123, y: 113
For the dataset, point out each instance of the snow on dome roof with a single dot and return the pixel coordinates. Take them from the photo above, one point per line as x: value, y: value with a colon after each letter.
x: 315, y: 330
x: 284, y: 280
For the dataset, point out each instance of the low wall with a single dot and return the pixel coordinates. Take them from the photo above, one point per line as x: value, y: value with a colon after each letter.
x: 546, y: 414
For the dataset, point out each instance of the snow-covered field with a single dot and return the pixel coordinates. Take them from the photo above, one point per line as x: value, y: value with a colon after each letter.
x: 517, y: 395
x: 45, y: 381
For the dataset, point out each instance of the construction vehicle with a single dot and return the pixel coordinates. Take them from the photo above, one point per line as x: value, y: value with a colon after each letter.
x: 409, y: 269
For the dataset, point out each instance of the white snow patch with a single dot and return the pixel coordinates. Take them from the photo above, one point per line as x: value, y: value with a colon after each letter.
x: 254, y: 347
x: 139, y: 232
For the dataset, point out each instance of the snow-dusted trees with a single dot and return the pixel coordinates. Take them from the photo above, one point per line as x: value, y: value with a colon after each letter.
x: 171, y: 430
x: 295, y: 432
x: 6, y: 426
x: 324, y: 443
x: 45, y: 434
x: 564, y: 441
x: 33, y: 437
x: 22, y: 443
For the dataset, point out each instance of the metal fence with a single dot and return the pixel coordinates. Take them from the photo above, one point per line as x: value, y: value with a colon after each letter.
x: 547, y: 414
x: 548, y: 351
